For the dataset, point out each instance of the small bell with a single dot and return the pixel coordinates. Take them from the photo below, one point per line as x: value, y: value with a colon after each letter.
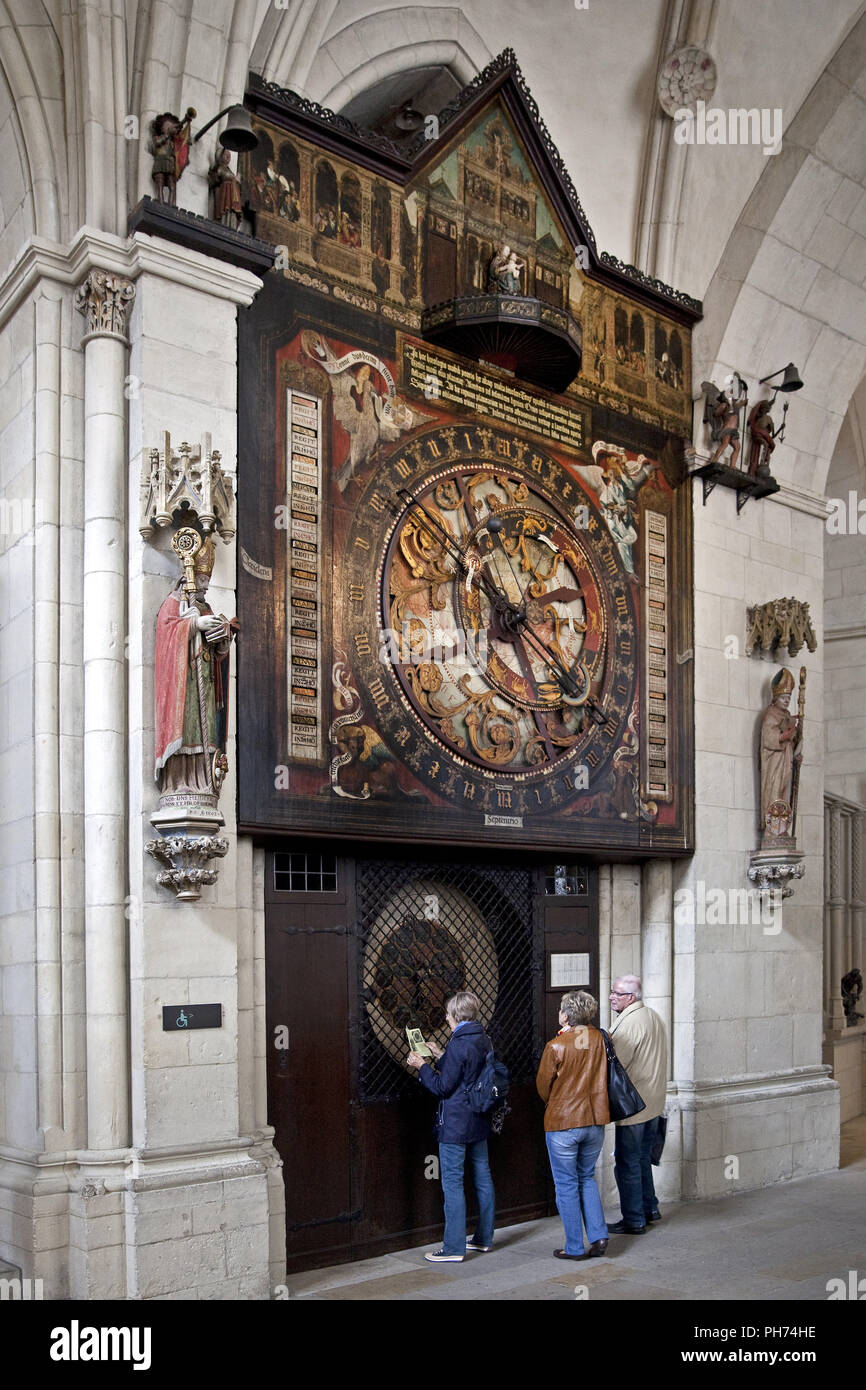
x: 791, y: 380
x: 238, y: 134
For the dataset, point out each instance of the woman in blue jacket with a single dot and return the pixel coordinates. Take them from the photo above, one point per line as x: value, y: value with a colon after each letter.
x: 459, y: 1130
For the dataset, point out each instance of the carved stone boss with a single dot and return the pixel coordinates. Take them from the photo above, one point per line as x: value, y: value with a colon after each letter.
x: 187, y: 489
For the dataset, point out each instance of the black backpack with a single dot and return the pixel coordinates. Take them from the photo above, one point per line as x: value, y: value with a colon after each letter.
x: 488, y: 1094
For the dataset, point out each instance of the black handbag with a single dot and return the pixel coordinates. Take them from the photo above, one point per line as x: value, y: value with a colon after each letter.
x: 623, y: 1097
x: 659, y: 1141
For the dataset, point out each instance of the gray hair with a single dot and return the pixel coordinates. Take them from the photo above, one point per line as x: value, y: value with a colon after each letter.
x: 579, y: 1008
x: 463, y: 1006
x: 631, y: 985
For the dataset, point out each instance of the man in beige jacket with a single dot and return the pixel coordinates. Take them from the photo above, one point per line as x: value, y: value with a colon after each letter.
x: 638, y: 1037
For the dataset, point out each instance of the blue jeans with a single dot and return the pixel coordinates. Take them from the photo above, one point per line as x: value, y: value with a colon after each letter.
x: 573, y: 1155
x: 633, y: 1171
x: 452, y: 1158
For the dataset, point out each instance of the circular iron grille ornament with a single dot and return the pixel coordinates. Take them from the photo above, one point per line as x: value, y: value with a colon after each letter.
x: 427, y: 942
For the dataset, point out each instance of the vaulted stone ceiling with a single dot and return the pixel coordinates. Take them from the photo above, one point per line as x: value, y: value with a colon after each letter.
x: 592, y: 68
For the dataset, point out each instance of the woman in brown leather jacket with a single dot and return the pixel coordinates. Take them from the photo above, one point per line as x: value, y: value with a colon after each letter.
x: 572, y: 1081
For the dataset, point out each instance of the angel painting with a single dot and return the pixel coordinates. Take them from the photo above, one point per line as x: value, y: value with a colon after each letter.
x: 369, y: 415
x: 616, y: 479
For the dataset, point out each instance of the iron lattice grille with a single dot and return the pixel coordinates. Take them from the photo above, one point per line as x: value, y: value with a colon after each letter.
x: 426, y: 931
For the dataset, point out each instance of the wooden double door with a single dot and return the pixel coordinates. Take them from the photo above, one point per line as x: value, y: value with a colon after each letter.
x: 357, y: 949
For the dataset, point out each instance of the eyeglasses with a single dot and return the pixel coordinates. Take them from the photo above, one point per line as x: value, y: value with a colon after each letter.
x: 621, y: 993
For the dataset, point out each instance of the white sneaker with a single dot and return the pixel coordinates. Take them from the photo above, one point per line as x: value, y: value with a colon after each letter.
x: 470, y: 1245
x: 438, y: 1257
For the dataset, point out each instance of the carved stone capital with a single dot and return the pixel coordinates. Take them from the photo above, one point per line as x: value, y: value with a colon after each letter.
x: 105, y: 301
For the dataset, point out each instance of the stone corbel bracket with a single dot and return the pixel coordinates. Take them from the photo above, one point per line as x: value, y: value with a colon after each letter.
x: 186, y: 860
x: 186, y: 484
x: 783, y: 622
x: 773, y: 870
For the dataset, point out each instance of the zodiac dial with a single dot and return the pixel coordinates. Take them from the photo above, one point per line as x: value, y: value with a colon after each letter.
x: 497, y: 621
x: 495, y: 648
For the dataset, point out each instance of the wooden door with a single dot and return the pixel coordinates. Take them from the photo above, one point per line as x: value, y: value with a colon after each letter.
x: 356, y: 950
x: 309, y: 1079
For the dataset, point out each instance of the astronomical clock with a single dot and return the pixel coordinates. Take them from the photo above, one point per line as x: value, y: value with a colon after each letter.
x: 464, y: 587
x: 464, y: 546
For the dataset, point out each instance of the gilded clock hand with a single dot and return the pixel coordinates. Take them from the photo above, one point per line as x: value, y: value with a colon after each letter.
x: 565, y: 678
x: 495, y: 528
x: 510, y: 618
x: 434, y: 524
x: 505, y: 610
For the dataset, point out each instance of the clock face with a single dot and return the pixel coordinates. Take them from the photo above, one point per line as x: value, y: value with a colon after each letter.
x: 498, y: 651
x: 500, y: 620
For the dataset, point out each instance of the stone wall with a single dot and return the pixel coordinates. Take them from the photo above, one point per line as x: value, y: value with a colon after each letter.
x: 845, y: 611
x: 748, y: 983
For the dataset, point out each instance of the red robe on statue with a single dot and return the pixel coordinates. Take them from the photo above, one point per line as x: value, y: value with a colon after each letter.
x: 171, y: 676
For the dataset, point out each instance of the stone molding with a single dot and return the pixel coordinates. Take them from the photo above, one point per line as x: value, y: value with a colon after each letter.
x: 698, y: 1095
x: 845, y: 632
x: 800, y: 499
x: 42, y: 1174
x: 105, y: 300
x: 92, y: 250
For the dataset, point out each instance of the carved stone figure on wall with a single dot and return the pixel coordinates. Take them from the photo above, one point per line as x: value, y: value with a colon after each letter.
x: 503, y: 274
x: 169, y: 145
x: 852, y: 989
x: 226, y: 188
x: 781, y: 755
x: 191, y: 682
x: 762, y: 430
x: 722, y: 414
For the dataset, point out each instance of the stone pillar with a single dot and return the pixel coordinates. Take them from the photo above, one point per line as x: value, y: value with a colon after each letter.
x: 206, y: 1177
x: 46, y: 713
x: 835, y: 908
x: 104, y: 299
x: 857, y: 904
x: 656, y: 972
x: 657, y: 942
x: 604, y: 930
x: 625, y: 944
x: 96, y: 1256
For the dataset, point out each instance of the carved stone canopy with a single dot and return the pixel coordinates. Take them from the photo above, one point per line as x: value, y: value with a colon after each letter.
x: 784, y: 622
x: 184, y: 485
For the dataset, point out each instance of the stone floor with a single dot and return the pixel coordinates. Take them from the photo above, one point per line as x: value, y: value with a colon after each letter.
x: 781, y: 1243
